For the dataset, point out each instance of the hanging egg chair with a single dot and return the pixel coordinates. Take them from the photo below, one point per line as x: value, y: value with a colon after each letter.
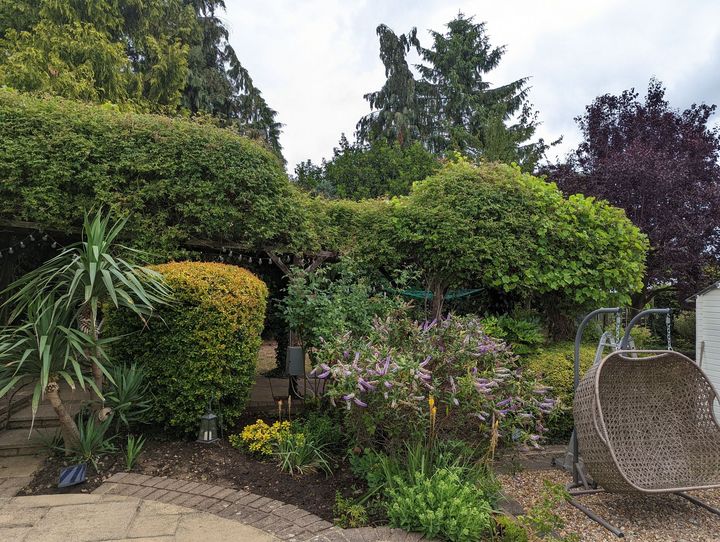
x: 645, y: 423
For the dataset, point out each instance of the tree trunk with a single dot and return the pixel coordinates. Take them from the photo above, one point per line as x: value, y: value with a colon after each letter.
x: 69, y: 429
x: 639, y: 299
x: 97, y: 373
x: 97, y: 377
x: 438, y: 293
x: 89, y: 325
x: 637, y: 302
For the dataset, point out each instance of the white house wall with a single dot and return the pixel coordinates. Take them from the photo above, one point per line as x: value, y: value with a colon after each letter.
x: 707, y: 321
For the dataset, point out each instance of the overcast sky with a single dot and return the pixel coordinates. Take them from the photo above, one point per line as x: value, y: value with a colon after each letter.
x: 314, y: 59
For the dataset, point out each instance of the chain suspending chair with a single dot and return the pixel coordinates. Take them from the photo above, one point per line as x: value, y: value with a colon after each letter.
x: 644, y: 424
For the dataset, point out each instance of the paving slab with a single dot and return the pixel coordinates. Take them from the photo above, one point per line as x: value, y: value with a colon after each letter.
x: 83, y: 522
x: 192, y: 528
x: 102, y: 518
x: 20, y: 466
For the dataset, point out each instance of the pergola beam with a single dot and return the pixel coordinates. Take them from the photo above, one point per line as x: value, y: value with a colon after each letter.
x: 317, y: 259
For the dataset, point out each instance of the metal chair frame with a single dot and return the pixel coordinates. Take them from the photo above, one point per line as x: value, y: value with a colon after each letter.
x: 582, y: 484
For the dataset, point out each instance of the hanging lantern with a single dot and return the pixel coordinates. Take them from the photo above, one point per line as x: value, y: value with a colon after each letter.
x: 208, y: 427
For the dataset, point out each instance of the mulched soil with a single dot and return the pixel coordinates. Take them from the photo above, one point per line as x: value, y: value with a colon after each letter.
x: 216, y: 464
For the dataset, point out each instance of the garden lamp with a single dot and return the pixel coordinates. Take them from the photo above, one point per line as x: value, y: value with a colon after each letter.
x: 208, y: 427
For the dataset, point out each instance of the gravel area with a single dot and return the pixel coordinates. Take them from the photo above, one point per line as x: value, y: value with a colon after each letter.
x: 664, y: 518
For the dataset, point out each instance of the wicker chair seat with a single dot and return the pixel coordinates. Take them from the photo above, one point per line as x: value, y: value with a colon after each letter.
x: 645, y: 423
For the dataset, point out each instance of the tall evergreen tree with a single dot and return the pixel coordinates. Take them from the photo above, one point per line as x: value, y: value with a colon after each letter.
x: 395, y: 108
x: 219, y: 84
x: 153, y: 55
x: 451, y: 106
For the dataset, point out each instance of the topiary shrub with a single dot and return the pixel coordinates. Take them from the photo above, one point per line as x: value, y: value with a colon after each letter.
x: 175, y: 179
x: 203, y: 346
x: 554, y: 366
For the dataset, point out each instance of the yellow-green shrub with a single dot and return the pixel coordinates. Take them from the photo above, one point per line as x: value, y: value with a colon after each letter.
x: 203, y: 346
x: 259, y: 437
x: 554, y: 365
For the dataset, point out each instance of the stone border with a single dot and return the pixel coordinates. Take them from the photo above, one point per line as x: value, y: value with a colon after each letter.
x: 285, y: 521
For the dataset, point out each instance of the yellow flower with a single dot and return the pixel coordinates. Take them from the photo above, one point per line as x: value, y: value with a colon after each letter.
x: 259, y: 437
x: 431, y: 402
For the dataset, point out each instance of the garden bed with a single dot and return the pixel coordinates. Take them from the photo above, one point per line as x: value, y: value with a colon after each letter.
x: 216, y: 464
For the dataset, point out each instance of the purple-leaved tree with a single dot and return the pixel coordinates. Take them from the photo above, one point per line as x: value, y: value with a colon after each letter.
x: 660, y: 165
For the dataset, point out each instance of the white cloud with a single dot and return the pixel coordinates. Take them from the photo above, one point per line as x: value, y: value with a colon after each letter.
x: 314, y: 59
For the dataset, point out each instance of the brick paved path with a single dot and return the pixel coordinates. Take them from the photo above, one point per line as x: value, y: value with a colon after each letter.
x: 284, y: 521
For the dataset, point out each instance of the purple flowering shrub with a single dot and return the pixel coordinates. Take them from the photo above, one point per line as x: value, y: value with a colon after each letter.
x: 386, y: 379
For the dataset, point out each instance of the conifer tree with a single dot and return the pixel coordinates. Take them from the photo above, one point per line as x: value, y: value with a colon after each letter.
x: 162, y: 56
x: 450, y: 106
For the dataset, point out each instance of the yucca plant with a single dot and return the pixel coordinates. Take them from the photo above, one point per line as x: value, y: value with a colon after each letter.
x: 298, y: 454
x: 128, y: 396
x: 134, y: 446
x: 46, y: 349
x: 86, y: 274
x: 92, y: 443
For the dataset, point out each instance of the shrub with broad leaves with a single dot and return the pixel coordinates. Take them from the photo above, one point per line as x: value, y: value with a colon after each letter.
x: 406, y: 378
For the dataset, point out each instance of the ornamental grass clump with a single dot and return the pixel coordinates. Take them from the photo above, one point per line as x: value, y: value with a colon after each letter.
x: 386, y: 379
x: 295, y: 447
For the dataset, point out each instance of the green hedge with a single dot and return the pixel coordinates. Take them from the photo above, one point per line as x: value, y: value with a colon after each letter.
x: 204, y: 345
x: 176, y: 178
x: 554, y: 365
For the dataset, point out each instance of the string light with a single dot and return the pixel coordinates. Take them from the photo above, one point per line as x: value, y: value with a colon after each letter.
x: 27, y: 241
x: 229, y: 256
